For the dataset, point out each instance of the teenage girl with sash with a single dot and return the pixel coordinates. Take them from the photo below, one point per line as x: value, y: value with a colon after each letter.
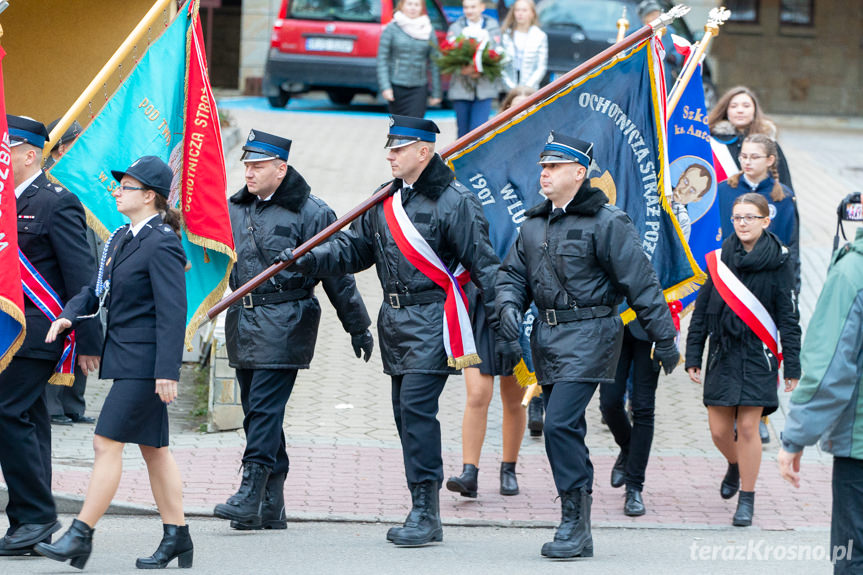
x: 746, y: 306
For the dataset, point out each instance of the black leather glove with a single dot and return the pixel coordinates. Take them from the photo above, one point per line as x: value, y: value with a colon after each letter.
x: 362, y: 343
x: 665, y: 354
x: 508, y: 355
x: 510, y: 323
x: 304, y: 264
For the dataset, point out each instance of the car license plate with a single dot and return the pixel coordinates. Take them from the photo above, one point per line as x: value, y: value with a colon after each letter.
x: 318, y: 44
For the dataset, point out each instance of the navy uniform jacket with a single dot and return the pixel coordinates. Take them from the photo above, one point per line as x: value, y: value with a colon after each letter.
x: 146, y: 321
x: 52, y: 234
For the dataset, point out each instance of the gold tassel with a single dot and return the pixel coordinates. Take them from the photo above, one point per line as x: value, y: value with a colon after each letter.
x: 524, y: 376
x: 464, y: 361
x: 62, y: 379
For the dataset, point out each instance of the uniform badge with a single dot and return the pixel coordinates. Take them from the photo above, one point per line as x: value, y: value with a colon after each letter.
x: 252, y: 136
x: 392, y: 121
x: 550, y: 139
x: 26, y: 217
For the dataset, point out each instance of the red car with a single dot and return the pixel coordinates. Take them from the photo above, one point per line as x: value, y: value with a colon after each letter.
x: 330, y: 45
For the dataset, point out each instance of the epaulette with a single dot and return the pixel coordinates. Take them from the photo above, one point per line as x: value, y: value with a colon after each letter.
x: 459, y: 186
x: 165, y: 228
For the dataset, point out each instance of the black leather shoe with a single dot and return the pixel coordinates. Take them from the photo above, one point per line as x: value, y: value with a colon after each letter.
x: 634, y: 505
x: 535, y: 417
x: 27, y: 535
x: 61, y: 420
x: 273, y: 510
x: 76, y: 418
x: 74, y: 546
x: 176, y: 542
x: 508, y: 481
x: 731, y: 482
x: 745, y: 509
x: 22, y: 551
x: 618, y: 472
x: 246, y: 504
x: 466, y: 483
x: 763, y: 432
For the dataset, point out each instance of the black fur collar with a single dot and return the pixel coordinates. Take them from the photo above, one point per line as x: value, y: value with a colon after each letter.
x: 433, y: 180
x: 587, y: 202
x: 292, y: 193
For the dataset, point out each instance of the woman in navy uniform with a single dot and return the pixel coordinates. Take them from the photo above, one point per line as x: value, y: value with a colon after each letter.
x: 143, y: 272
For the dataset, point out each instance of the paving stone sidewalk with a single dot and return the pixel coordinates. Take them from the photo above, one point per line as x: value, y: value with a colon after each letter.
x: 345, y: 456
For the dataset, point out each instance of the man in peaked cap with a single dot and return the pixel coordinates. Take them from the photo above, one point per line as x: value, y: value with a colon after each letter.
x: 577, y: 257
x: 51, y: 235
x: 271, y: 333
x: 430, y: 213
x: 66, y: 405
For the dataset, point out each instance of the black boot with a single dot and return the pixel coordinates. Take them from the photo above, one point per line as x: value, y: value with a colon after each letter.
x: 731, y: 482
x: 273, y: 510
x: 176, y: 542
x: 618, y: 472
x: 508, y: 481
x: 423, y: 522
x: 465, y: 484
x: 74, y: 545
x: 534, y: 416
x: 634, y: 505
x: 245, y: 505
x: 745, y: 509
x: 572, y: 538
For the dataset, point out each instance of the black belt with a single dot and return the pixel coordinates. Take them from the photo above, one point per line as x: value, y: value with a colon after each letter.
x: 251, y: 300
x: 398, y: 300
x: 556, y: 316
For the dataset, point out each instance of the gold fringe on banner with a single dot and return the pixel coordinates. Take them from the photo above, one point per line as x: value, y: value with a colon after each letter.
x: 523, y: 376
x: 62, y: 379
x: 13, y: 310
x: 464, y: 361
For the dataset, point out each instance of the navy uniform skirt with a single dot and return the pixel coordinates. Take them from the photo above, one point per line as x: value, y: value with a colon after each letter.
x: 483, y: 334
x: 134, y: 413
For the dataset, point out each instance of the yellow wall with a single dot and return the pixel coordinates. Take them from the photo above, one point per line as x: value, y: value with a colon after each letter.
x: 54, y: 48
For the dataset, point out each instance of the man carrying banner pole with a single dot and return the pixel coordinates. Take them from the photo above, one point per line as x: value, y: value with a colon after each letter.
x: 577, y: 257
x: 426, y: 240
x: 55, y: 264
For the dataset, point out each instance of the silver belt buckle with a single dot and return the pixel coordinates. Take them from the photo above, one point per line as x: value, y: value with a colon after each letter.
x: 394, y: 300
x: 247, y: 301
x: 551, y: 316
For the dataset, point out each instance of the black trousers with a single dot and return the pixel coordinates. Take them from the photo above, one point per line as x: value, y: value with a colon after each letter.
x: 564, y: 430
x: 415, y: 407
x: 636, y: 438
x: 846, y: 526
x: 264, y: 394
x: 25, y: 441
x: 409, y: 101
x: 62, y: 400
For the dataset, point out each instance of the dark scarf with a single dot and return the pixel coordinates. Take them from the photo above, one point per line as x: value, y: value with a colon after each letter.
x: 756, y: 269
x: 292, y: 193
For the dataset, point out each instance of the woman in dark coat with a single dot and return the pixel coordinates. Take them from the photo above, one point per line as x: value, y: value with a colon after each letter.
x: 143, y: 270
x: 742, y: 374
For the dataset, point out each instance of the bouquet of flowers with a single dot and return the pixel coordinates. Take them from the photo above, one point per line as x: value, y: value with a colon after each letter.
x: 478, y: 56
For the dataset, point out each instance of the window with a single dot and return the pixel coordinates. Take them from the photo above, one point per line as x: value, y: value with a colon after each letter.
x: 797, y: 12
x: 745, y: 11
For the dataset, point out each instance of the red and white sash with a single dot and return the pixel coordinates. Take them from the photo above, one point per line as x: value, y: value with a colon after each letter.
x: 723, y: 163
x: 457, y: 334
x: 36, y: 288
x: 743, y: 302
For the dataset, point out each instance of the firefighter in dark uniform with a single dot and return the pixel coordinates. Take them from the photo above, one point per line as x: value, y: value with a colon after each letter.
x: 51, y: 234
x: 577, y: 257
x: 271, y: 333
x: 66, y: 405
x: 410, y: 322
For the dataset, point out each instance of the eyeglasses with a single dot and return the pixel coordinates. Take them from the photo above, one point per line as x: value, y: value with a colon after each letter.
x: 753, y: 157
x: 129, y: 188
x: 747, y: 218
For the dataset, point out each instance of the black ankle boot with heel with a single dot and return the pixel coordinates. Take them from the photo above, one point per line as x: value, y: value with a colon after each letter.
x: 745, y: 509
x: 74, y: 546
x: 176, y: 542
x: 466, y: 483
x: 508, y: 480
x: 731, y: 482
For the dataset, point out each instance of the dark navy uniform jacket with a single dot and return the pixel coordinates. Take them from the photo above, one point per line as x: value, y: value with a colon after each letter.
x: 146, y: 321
x: 52, y: 234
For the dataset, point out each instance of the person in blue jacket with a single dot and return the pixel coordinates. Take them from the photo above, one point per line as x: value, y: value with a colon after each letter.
x: 758, y: 160
x: 141, y: 281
